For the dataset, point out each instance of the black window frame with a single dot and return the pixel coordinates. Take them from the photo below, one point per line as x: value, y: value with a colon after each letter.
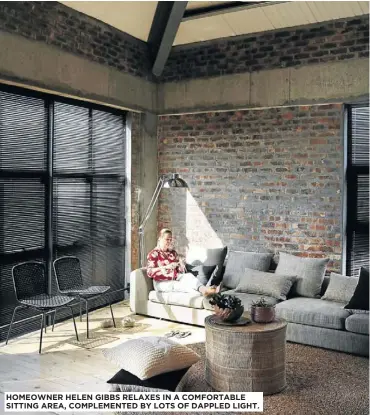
x: 47, y: 252
x: 352, y: 173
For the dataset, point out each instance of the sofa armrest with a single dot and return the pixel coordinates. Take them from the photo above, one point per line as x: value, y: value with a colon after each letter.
x: 140, y: 286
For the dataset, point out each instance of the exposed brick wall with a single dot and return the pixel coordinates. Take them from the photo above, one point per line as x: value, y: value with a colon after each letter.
x: 258, y: 180
x: 308, y: 45
x: 135, y: 187
x: 61, y: 26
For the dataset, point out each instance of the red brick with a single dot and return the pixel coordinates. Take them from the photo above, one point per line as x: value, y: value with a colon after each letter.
x: 250, y: 197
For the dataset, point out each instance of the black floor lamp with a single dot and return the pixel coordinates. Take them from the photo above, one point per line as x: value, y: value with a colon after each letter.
x: 166, y: 181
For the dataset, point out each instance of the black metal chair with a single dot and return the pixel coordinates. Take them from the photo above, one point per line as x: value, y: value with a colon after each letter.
x: 70, y: 282
x: 30, y: 285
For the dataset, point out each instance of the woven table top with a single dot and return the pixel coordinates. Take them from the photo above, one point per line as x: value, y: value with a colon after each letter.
x: 277, y: 324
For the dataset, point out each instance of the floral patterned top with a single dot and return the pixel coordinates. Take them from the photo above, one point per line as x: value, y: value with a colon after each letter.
x: 157, y: 259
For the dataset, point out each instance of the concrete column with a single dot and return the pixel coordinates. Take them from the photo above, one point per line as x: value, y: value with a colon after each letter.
x: 148, y: 176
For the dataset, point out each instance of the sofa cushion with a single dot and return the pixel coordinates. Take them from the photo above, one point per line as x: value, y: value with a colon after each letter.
x: 203, y: 262
x: 202, y: 272
x: 265, y: 283
x: 358, y: 323
x: 245, y: 298
x: 313, y: 312
x: 198, y: 255
x: 309, y: 271
x: 238, y: 261
x: 177, y: 298
x: 360, y: 298
x: 340, y: 288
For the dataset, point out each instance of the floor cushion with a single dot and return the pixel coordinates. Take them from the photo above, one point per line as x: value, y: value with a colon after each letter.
x: 164, y: 381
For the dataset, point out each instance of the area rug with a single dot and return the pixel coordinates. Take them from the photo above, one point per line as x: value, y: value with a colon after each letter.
x: 319, y: 382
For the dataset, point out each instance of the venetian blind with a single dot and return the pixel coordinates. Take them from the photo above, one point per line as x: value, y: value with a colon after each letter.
x: 358, y: 190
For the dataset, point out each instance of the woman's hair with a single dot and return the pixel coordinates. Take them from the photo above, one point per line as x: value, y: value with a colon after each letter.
x: 163, y: 232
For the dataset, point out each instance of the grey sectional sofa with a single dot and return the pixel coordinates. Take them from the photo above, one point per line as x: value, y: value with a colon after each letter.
x: 311, y: 321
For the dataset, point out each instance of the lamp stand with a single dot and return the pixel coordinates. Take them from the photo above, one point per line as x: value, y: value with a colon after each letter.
x: 149, y: 211
x: 172, y: 180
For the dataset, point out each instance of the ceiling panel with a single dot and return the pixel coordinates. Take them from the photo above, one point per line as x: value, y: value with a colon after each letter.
x: 269, y: 17
x: 358, y: 7
x: 199, y: 30
x: 248, y: 21
x: 135, y: 17
x: 364, y: 5
x: 282, y: 15
x: 331, y: 10
x: 132, y: 17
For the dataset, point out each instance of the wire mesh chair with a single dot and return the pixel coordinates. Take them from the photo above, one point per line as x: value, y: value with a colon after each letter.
x: 70, y: 282
x: 30, y: 285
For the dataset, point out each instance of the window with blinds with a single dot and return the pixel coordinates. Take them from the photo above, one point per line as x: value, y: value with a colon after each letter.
x: 357, y: 254
x: 62, y: 190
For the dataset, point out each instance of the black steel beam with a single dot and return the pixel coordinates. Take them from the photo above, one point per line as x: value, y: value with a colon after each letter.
x: 221, y: 8
x: 166, y: 22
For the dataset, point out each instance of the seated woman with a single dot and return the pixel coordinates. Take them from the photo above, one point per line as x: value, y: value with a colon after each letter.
x: 169, y: 272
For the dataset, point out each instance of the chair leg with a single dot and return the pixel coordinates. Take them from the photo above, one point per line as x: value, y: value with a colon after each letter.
x: 54, y: 317
x: 80, y: 311
x: 42, y: 326
x: 111, y: 311
x: 74, y: 323
x: 87, y: 318
x: 11, y: 323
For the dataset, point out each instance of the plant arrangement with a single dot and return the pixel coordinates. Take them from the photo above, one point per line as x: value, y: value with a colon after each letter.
x: 262, y: 311
x: 227, y: 307
x: 261, y: 302
x: 225, y: 301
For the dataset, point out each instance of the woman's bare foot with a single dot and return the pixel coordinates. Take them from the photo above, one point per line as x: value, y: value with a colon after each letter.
x: 209, y: 291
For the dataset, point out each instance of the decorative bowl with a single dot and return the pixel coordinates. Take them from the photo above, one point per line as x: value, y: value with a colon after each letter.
x: 233, y: 313
x: 263, y: 314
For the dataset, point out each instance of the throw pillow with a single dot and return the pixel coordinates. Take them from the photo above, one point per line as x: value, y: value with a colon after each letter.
x: 340, y: 288
x: 166, y: 381
x: 265, y: 283
x: 197, y: 255
x: 309, y: 271
x: 202, y: 272
x: 146, y: 357
x: 206, y: 263
x: 217, y: 275
x: 238, y: 261
x: 360, y: 298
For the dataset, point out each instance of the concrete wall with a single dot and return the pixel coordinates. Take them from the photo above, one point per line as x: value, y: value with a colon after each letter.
x: 37, y: 64
x: 318, y: 83
x: 148, y: 178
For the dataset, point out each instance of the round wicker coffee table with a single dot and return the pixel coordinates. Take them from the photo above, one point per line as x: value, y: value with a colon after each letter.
x: 248, y: 358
